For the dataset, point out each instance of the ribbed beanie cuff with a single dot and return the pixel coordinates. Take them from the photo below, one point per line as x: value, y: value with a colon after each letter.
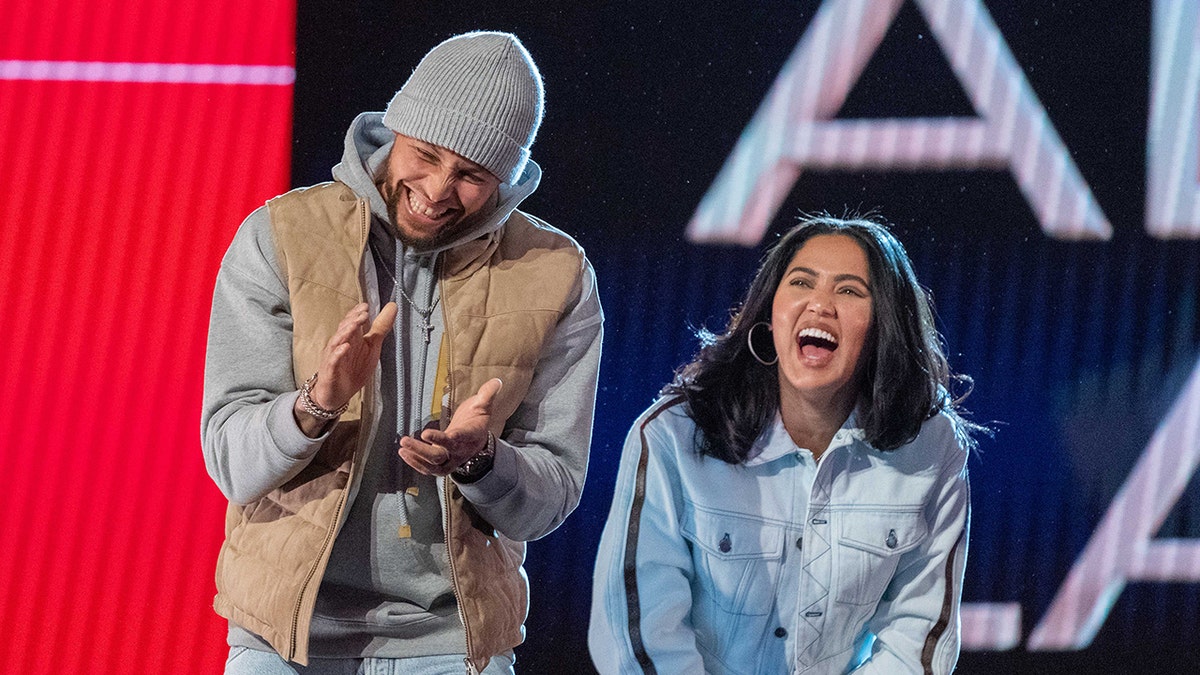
x: 477, y: 94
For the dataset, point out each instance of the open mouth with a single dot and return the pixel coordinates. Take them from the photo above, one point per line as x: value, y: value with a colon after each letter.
x: 814, y: 342
x: 422, y: 208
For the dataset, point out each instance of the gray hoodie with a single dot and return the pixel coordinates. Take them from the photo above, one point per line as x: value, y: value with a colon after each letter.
x: 387, y: 590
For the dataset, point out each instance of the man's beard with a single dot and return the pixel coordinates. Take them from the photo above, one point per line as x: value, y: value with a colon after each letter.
x: 392, y: 195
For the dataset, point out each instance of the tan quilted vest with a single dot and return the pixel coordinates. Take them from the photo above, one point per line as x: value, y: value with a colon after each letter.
x: 502, y: 296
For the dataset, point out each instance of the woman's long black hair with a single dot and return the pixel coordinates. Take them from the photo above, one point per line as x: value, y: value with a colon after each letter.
x: 906, y: 380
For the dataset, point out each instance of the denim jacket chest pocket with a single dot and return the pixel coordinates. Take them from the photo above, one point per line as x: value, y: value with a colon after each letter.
x: 737, y: 558
x: 870, y: 545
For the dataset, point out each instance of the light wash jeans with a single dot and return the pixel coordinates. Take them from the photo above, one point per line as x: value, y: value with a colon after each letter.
x: 245, y: 661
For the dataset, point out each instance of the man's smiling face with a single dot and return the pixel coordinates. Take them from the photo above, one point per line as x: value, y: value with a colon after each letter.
x: 433, y: 194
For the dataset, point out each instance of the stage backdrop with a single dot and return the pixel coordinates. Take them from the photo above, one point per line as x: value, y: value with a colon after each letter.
x: 1039, y: 160
x: 133, y: 139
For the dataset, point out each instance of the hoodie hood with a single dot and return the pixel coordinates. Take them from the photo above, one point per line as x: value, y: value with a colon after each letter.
x: 368, y: 143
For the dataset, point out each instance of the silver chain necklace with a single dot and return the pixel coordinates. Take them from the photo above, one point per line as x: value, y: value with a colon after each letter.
x: 424, y: 312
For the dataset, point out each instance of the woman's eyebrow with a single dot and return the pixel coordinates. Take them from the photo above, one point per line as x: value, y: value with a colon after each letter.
x: 852, y: 277
x: 837, y: 278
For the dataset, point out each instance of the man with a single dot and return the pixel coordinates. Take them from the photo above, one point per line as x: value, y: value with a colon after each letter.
x: 399, y: 387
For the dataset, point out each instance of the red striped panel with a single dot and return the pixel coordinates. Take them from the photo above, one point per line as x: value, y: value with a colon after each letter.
x: 153, y: 31
x: 118, y: 201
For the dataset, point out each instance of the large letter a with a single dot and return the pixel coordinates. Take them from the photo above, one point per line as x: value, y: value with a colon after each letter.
x: 794, y: 127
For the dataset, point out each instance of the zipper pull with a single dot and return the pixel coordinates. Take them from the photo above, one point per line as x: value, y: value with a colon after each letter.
x: 470, y: 667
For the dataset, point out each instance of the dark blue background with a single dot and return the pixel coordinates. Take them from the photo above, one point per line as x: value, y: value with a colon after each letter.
x: 1077, y: 349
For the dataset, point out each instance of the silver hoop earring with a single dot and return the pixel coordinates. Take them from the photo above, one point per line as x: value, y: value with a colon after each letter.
x: 750, y: 344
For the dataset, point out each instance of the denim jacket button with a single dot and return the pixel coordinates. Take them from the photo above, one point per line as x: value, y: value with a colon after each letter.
x: 780, y: 632
x: 800, y: 543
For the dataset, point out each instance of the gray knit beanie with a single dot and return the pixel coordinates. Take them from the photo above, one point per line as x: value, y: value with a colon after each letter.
x: 478, y: 94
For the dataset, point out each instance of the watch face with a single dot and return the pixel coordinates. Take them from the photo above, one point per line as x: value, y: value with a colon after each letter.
x: 474, y: 468
x: 478, y: 465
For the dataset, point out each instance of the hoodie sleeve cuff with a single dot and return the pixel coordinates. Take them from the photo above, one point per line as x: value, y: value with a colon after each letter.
x: 498, y: 482
x: 286, y: 433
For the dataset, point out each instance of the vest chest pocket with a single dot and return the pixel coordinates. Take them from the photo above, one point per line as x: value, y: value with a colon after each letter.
x: 737, y: 559
x: 870, y: 544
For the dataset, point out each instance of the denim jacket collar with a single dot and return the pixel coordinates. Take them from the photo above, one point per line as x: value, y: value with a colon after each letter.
x: 775, y: 443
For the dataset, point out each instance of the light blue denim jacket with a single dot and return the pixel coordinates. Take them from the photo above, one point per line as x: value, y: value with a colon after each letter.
x: 781, y: 564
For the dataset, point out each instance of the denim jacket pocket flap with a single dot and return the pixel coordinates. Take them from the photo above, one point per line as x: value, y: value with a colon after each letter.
x: 883, y: 533
x: 729, y: 536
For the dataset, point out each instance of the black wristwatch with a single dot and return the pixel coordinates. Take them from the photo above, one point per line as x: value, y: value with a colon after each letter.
x: 479, y: 465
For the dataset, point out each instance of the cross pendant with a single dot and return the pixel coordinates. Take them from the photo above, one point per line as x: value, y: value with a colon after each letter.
x: 427, y: 326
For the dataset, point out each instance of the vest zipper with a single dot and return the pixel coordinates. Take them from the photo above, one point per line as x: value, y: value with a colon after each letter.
x: 337, y: 514
x: 447, y: 484
x: 462, y: 615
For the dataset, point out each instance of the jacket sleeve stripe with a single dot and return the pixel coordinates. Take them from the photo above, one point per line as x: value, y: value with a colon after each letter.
x: 632, y: 600
x: 943, y: 621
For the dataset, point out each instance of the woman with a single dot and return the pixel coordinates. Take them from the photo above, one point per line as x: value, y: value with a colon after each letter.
x: 797, y: 500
